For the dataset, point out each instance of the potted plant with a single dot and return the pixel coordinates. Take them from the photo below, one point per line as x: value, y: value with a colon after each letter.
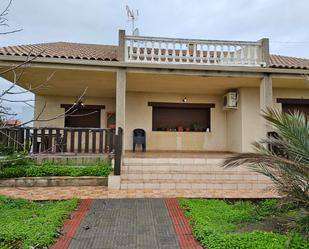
x: 111, y: 120
x: 179, y: 128
x: 196, y: 126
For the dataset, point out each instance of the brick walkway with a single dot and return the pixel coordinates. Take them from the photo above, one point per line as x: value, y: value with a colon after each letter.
x: 84, y: 192
x: 71, y: 225
x: 181, y: 225
x: 126, y: 224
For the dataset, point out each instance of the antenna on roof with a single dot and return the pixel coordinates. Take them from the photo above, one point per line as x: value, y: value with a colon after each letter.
x: 133, y: 15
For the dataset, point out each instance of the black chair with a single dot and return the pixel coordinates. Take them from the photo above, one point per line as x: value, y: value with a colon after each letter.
x: 139, y: 137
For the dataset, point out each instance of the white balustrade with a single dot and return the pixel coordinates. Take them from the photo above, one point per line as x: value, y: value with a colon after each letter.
x: 185, y: 51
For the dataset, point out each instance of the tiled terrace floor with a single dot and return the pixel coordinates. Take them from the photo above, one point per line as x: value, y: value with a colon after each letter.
x: 57, y: 193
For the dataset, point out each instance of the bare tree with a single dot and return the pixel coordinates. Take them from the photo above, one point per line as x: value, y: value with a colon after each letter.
x: 13, y: 94
x: 4, y: 20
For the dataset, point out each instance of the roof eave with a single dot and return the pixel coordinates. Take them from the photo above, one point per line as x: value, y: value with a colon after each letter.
x: 114, y: 65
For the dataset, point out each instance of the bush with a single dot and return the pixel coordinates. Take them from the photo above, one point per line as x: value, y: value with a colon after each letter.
x: 5, y: 150
x: 15, y: 159
x: 267, y: 207
x: 48, y: 170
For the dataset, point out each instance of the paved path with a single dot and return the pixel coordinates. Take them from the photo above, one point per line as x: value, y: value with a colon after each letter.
x: 126, y: 224
x: 99, y: 192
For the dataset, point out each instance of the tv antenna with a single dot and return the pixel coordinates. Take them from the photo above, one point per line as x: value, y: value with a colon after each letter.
x: 133, y: 15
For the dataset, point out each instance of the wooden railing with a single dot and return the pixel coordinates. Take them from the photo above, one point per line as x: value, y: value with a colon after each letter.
x: 58, y: 140
x: 118, y: 152
x: 144, y: 49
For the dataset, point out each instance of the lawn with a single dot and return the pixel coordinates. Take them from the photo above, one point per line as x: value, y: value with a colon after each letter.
x: 219, y: 224
x: 26, y: 224
x: 30, y: 169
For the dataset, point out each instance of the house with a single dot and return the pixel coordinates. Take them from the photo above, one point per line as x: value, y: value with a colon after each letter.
x: 11, y: 122
x: 188, y: 95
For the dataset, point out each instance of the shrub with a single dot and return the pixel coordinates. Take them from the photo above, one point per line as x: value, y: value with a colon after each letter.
x: 47, y: 170
x: 15, y: 159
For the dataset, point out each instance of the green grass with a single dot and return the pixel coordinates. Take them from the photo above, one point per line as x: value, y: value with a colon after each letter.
x: 25, y: 223
x: 55, y: 169
x: 218, y: 224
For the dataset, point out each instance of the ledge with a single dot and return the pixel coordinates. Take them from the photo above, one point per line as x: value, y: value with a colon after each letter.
x: 54, y: 181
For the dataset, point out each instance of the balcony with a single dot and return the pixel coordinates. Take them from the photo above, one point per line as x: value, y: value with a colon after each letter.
x: 159, y: 50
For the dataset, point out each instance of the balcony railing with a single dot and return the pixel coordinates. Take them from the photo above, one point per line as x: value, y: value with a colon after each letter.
x: 141, y: 49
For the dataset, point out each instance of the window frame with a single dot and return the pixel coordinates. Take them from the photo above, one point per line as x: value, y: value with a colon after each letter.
x: 203, y: 107
x: 91, y: 108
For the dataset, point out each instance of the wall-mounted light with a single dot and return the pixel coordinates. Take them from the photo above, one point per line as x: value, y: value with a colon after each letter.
x: 184, y: 99
x: 80, y: 104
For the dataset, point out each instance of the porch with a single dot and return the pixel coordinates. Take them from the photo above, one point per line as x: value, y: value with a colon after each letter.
x: 147, y: 100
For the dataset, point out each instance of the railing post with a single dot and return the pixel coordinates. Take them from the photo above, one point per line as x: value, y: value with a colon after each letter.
x: 122, y: 48
x: 265, y: 51
x: 35, y: 141
x: 118, y: 152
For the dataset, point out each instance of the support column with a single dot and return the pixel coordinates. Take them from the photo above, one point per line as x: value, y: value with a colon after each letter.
x: 266, y: 97
x: 120, y: 99
x: 114, y: 181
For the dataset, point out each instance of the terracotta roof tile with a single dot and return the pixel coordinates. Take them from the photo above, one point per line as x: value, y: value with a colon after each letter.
x: 64, y: 50
x: 81, y: 51
x: 279, y: 61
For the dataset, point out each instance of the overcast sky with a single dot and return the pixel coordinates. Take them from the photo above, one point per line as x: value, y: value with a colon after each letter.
x: 284, y: 22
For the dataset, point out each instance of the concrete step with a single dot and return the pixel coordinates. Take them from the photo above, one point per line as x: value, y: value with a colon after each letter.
x: 182, y: 169
x: 188, y: 174
x: 191, y: 184
x: 152, y: 161
x: 192, y: 175
x: 194, y: 181
x: 178, y: 167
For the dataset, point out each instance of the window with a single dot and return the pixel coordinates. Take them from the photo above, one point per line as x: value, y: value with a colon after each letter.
x: 292, y: 105
x: 180, y: 117
x: 86, y: 117
x: 290, y: 108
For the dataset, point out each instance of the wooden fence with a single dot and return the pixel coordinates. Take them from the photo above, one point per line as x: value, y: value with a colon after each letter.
x: 58, y: 140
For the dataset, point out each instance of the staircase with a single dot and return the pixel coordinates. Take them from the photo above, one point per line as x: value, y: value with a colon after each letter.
x: 187, y: 174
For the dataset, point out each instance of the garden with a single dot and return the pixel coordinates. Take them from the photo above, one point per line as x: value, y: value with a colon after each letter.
x: 17, y: 164
x: 265, y: 224
x: 229, y: 224
x: 27, y: 224
x: 28, y: 168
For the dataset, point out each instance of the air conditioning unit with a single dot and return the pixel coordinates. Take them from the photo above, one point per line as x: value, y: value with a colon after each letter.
x: 230, y: 100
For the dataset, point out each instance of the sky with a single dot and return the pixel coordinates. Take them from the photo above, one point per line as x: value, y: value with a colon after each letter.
x: 284, y: 22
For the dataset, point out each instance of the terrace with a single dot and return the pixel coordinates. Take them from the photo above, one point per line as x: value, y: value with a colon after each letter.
x: 161, y: 50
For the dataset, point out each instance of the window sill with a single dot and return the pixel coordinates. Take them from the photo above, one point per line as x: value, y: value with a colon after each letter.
x: 183, y: 131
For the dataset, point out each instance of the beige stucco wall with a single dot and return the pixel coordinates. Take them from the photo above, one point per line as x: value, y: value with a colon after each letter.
x: 52, y: 109
x: 252, y: 122
x: 244, y: 125
x: 289, y: 93
x: 139, y: 115
x: 233, y: 130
